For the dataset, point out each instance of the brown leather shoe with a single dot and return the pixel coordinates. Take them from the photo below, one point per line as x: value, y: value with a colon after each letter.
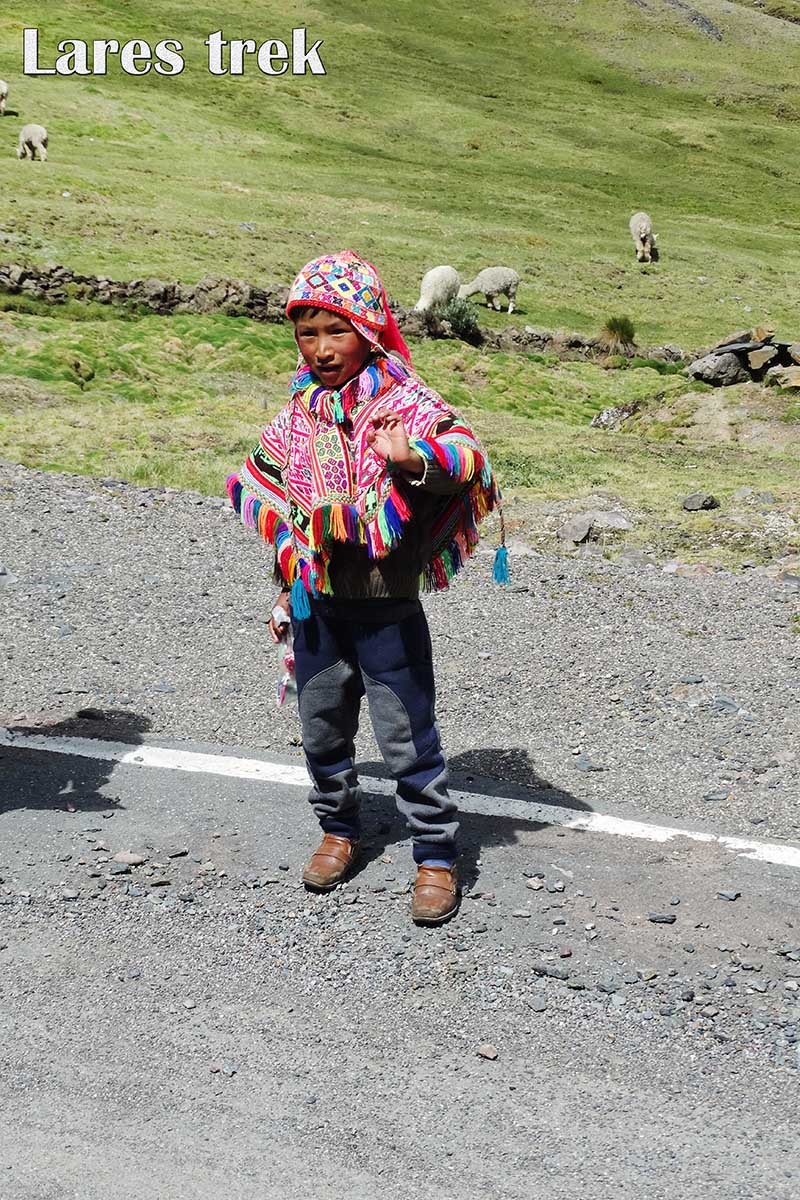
x: 330, y: 862
x: 436, y: 895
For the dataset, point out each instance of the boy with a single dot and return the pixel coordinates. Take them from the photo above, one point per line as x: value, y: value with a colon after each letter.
x: 367, y: 484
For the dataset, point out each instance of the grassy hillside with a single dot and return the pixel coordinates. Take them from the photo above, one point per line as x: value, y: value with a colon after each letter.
x: 180, y: 401
x: 515, y: 133
x: 510, y: 133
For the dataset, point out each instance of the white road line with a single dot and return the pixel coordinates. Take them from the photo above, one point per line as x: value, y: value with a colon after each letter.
x: 234, y: 767
x: 161, y: 757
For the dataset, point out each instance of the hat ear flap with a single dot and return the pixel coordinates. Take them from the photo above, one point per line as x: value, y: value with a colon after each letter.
x: 391, y: 338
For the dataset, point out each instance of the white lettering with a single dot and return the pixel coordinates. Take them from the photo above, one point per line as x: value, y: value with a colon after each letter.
x: 238, y: 50
x: 302, y: 59
x: 30, y: 54
x: 133, y: 53
x: 77, y: 57
x: 74, y: 61
x: 168, y: 52
x: 100, y: 51
x: 273, y: 50
x: 216, y: 44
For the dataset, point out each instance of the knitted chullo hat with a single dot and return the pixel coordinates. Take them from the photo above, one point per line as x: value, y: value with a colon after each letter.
x: 346, y: 284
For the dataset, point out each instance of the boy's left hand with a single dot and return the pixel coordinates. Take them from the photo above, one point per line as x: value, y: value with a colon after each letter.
x: 388, y: 437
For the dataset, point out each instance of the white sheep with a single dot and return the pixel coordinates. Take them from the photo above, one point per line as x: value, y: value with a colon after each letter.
x: 644, y: 239
x: 439, y: 285
x: 493, y: 282
x: 31, y: 139
x: 3, y: 96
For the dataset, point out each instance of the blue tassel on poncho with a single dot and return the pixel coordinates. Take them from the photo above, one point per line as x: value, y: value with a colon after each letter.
x: 500, y: 568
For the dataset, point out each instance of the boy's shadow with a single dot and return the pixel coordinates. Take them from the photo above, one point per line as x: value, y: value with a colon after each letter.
x: 39, y: 778
x: 473, y: 773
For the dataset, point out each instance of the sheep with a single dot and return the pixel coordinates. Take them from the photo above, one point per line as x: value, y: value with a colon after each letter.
x: 493, y: 282
x: 3, y: 96
x: 31, y: 139
x: 439, y: 285
x: 644, y: 239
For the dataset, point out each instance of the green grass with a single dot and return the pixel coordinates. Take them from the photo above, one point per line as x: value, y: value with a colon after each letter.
x: 476, y: 135
x: 179, y: 401
x: 508, y: 132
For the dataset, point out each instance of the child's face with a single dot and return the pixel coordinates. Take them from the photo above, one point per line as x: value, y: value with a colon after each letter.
x: 333, y: 349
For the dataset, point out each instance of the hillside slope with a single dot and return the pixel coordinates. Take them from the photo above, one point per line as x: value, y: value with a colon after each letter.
x: 512, y: 133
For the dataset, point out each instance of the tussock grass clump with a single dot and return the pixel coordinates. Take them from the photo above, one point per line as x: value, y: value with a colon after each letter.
x: 71, y: 309
x: 618, y: 335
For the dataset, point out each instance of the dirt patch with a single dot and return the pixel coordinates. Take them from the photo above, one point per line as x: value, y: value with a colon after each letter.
x: 16, y: 392
x: 745, y: 415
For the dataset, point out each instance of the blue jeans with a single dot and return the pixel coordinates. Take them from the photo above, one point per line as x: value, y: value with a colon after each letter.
x: 380, y: 648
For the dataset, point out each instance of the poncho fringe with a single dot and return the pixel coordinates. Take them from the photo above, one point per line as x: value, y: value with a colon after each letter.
x: 342, y: 523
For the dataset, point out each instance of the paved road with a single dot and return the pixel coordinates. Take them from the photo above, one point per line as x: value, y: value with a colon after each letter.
x: 202, y: 1027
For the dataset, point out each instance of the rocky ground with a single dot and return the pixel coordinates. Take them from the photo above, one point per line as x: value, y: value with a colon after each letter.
x: 613, y: 682
x: 605, y: 1016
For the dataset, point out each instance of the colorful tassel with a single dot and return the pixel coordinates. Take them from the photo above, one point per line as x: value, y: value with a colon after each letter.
x: 394, y: 522
x: 383, y: 527
x: 338, y: 528
x: 321, y: 573
x: 338, y: 409
x: 234, y: 487
x: 298, y: 598
x: 317, y: 528
x: 309, y: 578
x: 500, y: 568
x: 439, y: 573
x: 403, y: 511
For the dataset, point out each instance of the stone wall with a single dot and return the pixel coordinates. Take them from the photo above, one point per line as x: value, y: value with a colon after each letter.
x: 235, y: 298
x: 232, y: 297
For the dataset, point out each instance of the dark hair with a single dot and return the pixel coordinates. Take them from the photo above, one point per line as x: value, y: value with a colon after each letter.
x: 306, y: 310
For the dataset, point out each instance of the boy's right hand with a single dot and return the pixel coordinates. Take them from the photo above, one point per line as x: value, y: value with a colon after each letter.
x: 279, y: 619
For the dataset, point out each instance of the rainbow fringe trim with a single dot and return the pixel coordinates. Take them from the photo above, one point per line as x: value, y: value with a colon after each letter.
x: 329, y: 523
x: 256, y: 514
x: 343, y: 523
x: 460, y: 461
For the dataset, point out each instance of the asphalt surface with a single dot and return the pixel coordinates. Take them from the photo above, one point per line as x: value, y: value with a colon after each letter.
x: 199, y: 1025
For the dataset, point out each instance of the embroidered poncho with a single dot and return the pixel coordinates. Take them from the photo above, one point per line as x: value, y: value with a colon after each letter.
x: 313, y: 480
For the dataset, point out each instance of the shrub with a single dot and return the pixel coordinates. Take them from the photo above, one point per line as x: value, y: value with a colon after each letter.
x: 462, y: 317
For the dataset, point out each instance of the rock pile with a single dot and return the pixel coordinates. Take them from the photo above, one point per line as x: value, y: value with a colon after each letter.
x: 751, y: 354
x: 582, y: 526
